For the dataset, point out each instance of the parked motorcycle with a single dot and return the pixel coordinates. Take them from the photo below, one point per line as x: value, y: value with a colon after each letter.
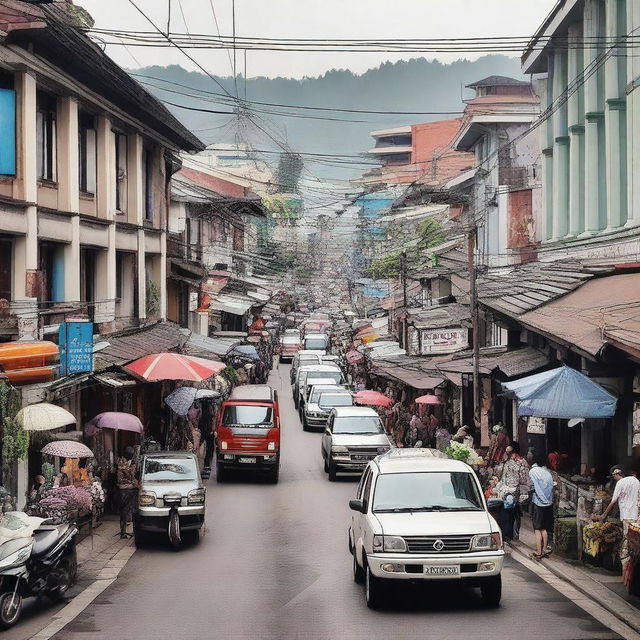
x: 44, y: 564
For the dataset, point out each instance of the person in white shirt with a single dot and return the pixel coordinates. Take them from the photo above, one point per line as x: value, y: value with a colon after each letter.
x: 627, y: 496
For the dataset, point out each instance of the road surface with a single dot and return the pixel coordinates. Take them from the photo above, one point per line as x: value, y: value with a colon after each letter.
x: 274, y: 563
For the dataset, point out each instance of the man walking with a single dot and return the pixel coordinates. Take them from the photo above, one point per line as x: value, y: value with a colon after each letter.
x: 541, y: 503
x: 128, y: 489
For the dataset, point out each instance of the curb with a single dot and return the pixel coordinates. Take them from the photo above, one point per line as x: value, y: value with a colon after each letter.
x: 622, y: 610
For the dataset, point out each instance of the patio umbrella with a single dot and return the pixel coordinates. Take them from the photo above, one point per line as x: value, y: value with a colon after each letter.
x: 44, y: 417
x: 173, y: 366
x: 182, y: 398
x: 373, y: 398
x: 428, y: 399
x: 67, y: 449
x: 116, y: 420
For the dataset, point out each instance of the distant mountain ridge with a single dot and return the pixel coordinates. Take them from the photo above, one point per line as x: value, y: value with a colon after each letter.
x: 416, y: 85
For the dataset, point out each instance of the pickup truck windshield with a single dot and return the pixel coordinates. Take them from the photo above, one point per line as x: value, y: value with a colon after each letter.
x: 336, y: 375
x: 357, y: 424
x: 169, y: 469
x: 290, y: 340
x: 327, y: 401
x: 315, y: 343
x: 246, y: 415
x: 430, y: 491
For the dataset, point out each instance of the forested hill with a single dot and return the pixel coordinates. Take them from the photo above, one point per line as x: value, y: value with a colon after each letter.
x: 416, y: 85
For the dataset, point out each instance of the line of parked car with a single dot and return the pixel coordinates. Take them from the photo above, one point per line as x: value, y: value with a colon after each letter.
x: 417, y: 515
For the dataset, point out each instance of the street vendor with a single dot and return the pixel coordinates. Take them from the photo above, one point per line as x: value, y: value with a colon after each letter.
x: 627, y: 496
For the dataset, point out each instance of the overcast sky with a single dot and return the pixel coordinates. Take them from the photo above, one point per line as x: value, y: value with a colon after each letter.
x: 314, y: 19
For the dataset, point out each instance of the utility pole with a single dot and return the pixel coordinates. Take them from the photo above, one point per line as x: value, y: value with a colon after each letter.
x: 403, y: 274
x: 471, y: 247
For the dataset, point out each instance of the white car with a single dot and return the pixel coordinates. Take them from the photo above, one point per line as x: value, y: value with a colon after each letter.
x: 420, y: 516
x: 353, y: 436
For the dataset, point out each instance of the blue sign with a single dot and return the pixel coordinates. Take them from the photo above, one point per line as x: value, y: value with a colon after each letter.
x: 7, y: 132
x: 76, y: 347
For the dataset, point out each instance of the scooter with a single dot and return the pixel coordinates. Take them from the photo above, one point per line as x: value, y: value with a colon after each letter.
x: 45, y: 564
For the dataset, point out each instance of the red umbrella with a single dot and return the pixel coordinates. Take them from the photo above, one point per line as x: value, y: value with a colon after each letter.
x: 173, y: 366
x: 374, y: 398
x: 428, y: 399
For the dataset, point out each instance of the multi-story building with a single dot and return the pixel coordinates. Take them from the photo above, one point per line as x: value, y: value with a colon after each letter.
x: 86, y: 156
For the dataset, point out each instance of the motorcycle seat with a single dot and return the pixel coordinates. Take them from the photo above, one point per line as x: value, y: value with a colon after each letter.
x: 46, y: 537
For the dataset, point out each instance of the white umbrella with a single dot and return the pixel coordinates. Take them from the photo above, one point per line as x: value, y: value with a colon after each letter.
x: 44, y: 417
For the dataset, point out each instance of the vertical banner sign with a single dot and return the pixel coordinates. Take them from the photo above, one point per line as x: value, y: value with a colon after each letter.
x: 7, y: 132
x: 76, y: 347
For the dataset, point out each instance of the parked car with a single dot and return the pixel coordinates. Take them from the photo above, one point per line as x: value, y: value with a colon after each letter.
x: 289, y: 347
x: 302, y: 358
x: 353, y: 436
x: 420, y: 516
x: 313, y: 393
x: 171, y: 498
x: 320, y: 404
x: 316, y: 341
x: 248, y: 432
x: 309, y: 373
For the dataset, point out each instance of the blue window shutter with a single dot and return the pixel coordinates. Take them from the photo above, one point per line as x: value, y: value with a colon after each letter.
x: 7, y: 132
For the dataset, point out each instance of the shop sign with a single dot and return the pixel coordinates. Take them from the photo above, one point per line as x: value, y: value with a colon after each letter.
x: 537, y: 425
x: 414, y: 341
x: 193, y: 300
x: 443, y: 340
x: 76, y: 347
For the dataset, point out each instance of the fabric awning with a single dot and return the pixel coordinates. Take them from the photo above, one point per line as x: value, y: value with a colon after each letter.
x: 561, y: 393
x: 412, y: 378
x: 198, y: 345
x: 234, y: 305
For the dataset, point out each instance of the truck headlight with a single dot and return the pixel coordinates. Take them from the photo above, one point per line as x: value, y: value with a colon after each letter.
x: 271, y: 446
x: 196, y: 496
x: 391, y: 544
x: 487, y: 542
x: 339, y: 449
x: 224, y: 445
x: 146, y: 498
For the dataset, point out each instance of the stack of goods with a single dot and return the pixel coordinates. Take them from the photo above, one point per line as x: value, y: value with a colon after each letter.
x: 64, y: 504
x: 565, y: 537
x: 600, y: 537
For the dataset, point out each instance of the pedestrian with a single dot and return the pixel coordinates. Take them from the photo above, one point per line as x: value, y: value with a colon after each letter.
x: 626, y: 496
x: 541, y: 503
x: 127, y: 488
x: 513, y: 482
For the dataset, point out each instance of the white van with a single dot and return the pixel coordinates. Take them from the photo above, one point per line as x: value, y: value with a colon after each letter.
x: 420, y: 516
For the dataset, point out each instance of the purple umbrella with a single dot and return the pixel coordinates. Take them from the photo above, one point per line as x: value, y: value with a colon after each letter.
x: 116, y: 420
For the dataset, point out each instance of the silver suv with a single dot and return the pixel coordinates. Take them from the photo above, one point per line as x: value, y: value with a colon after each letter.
x: 169, y: 481
x: 353, y: 437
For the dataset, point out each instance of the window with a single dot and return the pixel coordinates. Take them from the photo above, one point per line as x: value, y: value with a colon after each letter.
x: 6, y: 268
x: 121, y: 172
x: 7, y: 126
x: 119, y: 273
x: 433, y: 491
x: 357, y: 424
x: 46, y: 106
x: 169, y: 469
x: 87, y: 153
x: 52, y: 270
x: 238, y: 239
x: 147, y: 184
x: 238, y: 415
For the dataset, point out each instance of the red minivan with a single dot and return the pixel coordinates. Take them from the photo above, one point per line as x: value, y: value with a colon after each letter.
x: 248, y: 432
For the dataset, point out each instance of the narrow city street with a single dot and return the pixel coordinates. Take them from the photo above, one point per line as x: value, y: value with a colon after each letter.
x: 274, y: 564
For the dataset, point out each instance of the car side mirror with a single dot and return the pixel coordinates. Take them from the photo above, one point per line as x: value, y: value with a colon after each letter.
x: 327, y: 431
x: 356, y: 505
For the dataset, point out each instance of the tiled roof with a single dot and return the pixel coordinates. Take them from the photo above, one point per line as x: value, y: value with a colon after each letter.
x: 512, y: 363
x: 529, y: 286
x: 498, y: 81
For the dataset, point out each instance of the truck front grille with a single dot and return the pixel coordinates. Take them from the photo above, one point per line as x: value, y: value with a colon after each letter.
x: 431, y: 544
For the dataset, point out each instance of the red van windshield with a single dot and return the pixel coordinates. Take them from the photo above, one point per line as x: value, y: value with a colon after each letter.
x: 247, y: 415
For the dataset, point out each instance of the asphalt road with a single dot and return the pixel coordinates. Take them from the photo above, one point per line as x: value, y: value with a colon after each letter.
x: 274, y: 563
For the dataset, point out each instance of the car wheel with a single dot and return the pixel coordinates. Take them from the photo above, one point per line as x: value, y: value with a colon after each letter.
x: 274, y: 475
x: 326, y: 466
x: 191, y: 535
x: 491, y: 590
x: 221, y: 473
x: 10, y: 609
x: 140, y: 537
x: 331, y: 470
x: 373, y: 590
x: 305, y: 426
x: 358, y: 571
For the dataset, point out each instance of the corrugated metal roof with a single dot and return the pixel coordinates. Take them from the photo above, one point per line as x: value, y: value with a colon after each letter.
x: 203, y: 345
x: 512, y: 363
x: 445, y: 315
x: 131, y: 345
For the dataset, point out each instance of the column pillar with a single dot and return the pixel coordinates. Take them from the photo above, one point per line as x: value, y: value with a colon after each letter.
x: 105, y: 169
x: 68, y: 152
x: 135, y: 205
x: 575, y: 118
x: 142, y: 277
x: 593, y: 116
x: 633, y: 122
x: 547, y: 182
x: 560, y: 149
x: 162, y: 281
x: 615, y: 125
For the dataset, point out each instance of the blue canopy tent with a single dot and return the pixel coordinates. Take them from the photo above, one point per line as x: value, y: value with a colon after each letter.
x: 561, y: 393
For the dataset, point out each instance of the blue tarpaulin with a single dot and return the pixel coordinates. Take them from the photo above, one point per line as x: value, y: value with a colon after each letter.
x: 247, y: 350
x: 561, y: 393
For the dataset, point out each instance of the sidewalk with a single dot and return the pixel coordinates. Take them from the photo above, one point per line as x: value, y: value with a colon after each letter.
x: 603, y: 586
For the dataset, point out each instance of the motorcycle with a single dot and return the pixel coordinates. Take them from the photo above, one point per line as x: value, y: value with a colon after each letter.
x: 44, y: 564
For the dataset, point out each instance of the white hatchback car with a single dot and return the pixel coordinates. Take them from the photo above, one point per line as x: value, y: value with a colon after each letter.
x: 421, y: 516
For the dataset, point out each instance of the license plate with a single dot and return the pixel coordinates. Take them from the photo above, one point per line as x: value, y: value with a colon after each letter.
x: 443, y: 570
x: 247, y: 460
x: 360, y: 458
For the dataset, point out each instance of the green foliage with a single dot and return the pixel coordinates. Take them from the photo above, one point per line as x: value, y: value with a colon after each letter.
x: 457, y: 452
x: 288, y: 174
x: 430, y: 234
x: 49, y: 473
x: 282, y: 207
x: 15, y: 441
x: 153, y: 299
x: 387, y: 267
x: 230, y: 375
